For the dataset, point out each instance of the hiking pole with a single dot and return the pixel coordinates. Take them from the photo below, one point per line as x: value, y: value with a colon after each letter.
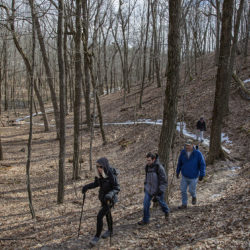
x: 83, y: 199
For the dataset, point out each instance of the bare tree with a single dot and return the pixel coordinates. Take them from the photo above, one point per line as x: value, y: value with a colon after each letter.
x: 60, y: 194
x: 222, y: 83
x: 40, y: 37
x: 78, y: 82
x: 171, y: 97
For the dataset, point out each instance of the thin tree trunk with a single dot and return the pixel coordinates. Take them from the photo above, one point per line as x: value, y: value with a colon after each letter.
x: 47, y: 70
x: 171, y: 93
x: 31, y: 79
x: 144, y: 56
x: 78, y: 82
x: 86, y: 86
x: 61, y: 180
x: 247, y: 32
x: 42, y: 108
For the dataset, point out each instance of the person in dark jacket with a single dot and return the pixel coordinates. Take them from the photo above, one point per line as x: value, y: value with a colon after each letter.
x: 154, y: 187
x: 109, y: 188
x: 201, y: 127
x: 192, y: 166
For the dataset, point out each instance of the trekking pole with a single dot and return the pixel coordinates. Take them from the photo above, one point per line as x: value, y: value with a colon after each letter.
x: 83, y: 199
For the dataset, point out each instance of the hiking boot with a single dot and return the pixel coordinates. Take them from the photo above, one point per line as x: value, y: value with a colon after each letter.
x: 142, y: 223
x: 107, y: 234
x: 94, y: 241
x: 182, y: 207
x: 194, y: 200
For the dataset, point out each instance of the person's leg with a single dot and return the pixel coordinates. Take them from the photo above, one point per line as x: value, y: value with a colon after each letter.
x: 104, y: 210
x: 163, y: 204
x: 201, y: 136
x: 146, y: 207
x: 184, y: 185
x: 192, y: 187
x: 197, y: 134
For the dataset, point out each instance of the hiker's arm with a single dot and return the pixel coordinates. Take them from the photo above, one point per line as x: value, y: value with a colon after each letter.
x: 202, y: 165
x: 91, y: 185
x: 178, y: 169
x: 162, y: 179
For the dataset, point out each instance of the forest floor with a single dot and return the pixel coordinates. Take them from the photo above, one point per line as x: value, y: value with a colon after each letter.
x: 220, y: 220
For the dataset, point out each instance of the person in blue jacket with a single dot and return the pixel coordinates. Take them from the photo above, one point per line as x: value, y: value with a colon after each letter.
x: 192, y: 166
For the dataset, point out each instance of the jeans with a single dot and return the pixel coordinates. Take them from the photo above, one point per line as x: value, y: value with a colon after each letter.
x: 185, y: 183
x: 105, y: 210
x: 200, y: 135
x: 147, y: 202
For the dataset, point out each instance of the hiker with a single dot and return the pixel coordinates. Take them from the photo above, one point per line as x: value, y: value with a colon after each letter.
x: 192, y: 166
x: 154, y: 187
x: 109, y: 188
x: 201, y: 127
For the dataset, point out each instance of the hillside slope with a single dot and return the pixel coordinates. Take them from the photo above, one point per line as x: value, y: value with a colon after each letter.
x: 219, y: 220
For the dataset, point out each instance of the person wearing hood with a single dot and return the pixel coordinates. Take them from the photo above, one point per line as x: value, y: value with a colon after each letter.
x: 154, y: 187
x: 108, y: 191
x: 191, y: 165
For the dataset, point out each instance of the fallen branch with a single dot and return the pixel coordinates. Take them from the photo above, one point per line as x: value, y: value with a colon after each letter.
x: 241, y: 84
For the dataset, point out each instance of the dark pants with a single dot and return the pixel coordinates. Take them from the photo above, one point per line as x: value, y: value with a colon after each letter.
x: 105, y: 210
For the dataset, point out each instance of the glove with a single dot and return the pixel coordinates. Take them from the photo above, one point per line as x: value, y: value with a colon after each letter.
x: 108, y: 197
x: 177, y: 175
x: 84, y: 189
x: 154, y: 199
x: 200, y: 178
x: 159, y: 193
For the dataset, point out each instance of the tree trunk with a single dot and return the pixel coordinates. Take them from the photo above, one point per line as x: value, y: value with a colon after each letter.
x: 47, y: 70
x: 156, y: 46
x: 232, y: 54
x: 86, y: 86
x: 78, y: 82
x: 5, y: 74
x: 144, y: 56
x: 171, y: 93
x: 31, y: 79
x: 222, y: 84
x: 247, y: 32
x: 61, y: 180
x: 42, y: 108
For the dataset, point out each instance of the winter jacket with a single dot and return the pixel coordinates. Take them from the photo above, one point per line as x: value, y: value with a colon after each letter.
x: 201, y: 126
x: 109, y: 186
x: 193, y: 166
x: 155, y: 181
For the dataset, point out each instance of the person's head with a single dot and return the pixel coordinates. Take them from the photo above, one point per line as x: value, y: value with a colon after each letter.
x: 189, y: 145
x: 102, y: 165
x: 150, y: 158
x: 202, y: 119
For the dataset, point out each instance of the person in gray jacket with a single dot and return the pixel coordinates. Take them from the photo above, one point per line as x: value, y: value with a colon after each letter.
x: 154, y: 187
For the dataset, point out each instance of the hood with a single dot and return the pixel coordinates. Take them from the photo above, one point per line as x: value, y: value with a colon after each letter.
x: 104, y: 163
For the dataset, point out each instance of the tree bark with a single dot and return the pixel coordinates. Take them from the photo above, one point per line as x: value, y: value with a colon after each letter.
x: 222, y: 84
x: 61, y: 181
x: 78, y: 82
x: 171, y: 97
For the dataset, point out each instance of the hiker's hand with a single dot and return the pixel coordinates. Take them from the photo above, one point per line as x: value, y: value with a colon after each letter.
x: 108, y: 198
x: 84, y: 189
x: 200, y: 178
x: 154, y: 199
x: 177, y: 176
x: 160, y: 193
